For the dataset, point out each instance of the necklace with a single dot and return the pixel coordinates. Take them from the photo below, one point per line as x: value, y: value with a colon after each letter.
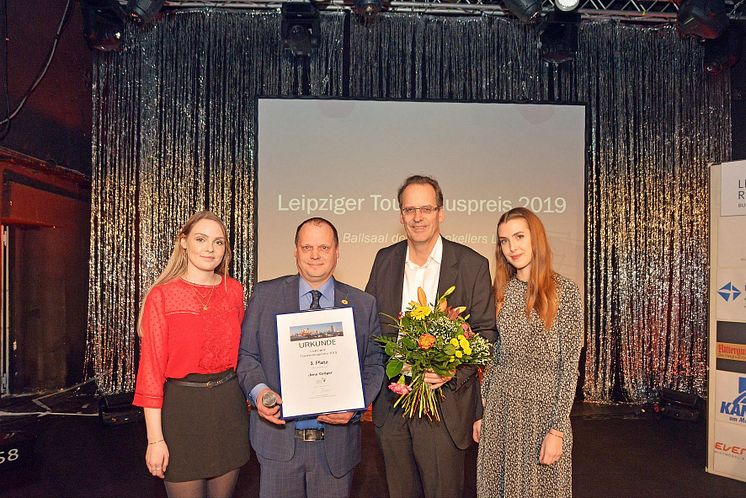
x: 203, y: 300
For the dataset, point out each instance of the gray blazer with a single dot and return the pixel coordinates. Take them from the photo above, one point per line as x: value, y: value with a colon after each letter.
x: 470, y: 273
x: 258, y: 363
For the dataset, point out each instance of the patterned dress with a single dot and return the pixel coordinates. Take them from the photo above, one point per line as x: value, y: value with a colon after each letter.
x: 528, y: 390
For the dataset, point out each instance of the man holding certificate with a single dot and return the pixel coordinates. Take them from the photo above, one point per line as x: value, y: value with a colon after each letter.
x: 309, y: 374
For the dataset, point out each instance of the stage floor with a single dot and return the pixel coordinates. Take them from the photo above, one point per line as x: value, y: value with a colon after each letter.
x: 618, y: 452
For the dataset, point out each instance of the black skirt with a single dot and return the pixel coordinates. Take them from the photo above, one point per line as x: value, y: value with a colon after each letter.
x: 206, y: 428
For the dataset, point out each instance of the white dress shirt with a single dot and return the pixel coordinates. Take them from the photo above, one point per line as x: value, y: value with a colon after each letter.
x: 425, y: 276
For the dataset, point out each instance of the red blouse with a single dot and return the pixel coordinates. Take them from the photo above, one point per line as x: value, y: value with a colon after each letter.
x: 181, y: 337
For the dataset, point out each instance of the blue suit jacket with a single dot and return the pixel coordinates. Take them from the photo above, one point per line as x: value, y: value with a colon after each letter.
x: 258, y: 363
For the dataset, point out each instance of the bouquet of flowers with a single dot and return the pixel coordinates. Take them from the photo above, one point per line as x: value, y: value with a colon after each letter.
x: 432, y: 338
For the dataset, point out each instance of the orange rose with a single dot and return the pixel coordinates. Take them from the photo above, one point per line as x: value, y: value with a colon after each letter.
x: 426, y: 341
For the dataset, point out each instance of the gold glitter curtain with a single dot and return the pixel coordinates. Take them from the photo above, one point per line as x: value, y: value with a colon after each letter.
x: 174, y: 131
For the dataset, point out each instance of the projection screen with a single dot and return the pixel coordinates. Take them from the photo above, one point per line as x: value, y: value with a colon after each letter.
x: 344, y: 160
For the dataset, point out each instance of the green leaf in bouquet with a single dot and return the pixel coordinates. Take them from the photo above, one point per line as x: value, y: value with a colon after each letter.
x: 390, y: 348
x: 393, y: 367
x: 408, y: 342
x: 442, y: 371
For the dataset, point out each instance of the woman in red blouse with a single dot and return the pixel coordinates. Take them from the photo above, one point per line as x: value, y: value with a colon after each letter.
x: 190, y: 325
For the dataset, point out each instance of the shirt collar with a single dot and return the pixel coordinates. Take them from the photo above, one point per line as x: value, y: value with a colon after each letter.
x: 326, y: 290
x: 436, y: 255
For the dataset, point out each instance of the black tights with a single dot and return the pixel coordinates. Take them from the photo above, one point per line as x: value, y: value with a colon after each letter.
x: 215, y: 487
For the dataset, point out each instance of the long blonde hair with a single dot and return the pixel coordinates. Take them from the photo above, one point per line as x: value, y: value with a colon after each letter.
x: 177, y: 262
x: 542, y: 288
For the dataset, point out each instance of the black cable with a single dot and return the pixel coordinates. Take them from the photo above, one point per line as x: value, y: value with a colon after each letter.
x: 60, y: 28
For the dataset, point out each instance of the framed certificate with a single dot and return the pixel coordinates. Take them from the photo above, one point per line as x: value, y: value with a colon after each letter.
x: 319, y: 366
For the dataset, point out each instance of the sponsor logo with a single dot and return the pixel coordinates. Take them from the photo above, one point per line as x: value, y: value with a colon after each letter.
x: 731, y: 351
x: 736, y: 410
x: 729, y: 449
x: 729, y: 292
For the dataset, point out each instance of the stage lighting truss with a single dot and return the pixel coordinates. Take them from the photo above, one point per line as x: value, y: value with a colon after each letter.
x: 655, y: 11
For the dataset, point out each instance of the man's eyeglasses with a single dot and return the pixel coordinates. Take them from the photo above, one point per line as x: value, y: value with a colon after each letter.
x: 425, y: 210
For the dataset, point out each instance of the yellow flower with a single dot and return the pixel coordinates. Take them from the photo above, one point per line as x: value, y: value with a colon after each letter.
x: 454, y: 341
x: 459, y: 354
x: 451, y: 358
x: 464, y: 343
x: 467, y: 350
x: 420, y: 312
x: 461, y: 337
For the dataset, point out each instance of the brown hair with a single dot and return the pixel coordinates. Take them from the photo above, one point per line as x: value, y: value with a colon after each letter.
x: 542, y: 288
x: 421, y: 180
x: 177, y: 262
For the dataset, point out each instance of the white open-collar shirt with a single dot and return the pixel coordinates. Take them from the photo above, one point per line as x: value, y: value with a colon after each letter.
x: 425, y: 276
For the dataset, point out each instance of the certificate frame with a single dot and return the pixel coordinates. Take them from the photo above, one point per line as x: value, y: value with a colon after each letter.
x: 319, y: 363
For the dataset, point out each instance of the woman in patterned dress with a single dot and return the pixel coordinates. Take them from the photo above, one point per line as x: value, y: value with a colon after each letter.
x: 190, y: 326
x: 525, y: 438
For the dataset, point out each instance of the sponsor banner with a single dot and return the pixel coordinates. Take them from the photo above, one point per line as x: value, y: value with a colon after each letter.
x: 730, y: 346
x: 731, y: 351
x: 733, y: 189
x: 730, y: 399
x: 731, y: 293
x: 728, y: 449
x: 726, y: 426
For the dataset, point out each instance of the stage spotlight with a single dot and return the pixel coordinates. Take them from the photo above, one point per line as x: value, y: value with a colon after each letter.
x: 566, y: 5
x: 103, y: 24
x: 724, y: 52
x: 144, y: 10
x: 525, y: 10
x: 300, y: 28
x: 558, y: 40
x: 703, y: 18
x: 367, y: 9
